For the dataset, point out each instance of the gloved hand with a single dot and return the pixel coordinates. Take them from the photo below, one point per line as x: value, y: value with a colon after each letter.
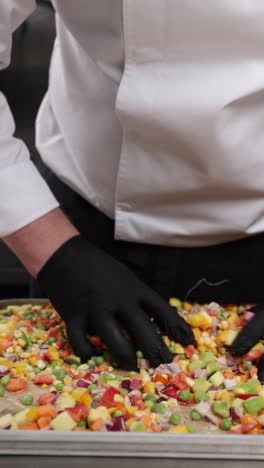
x: 97, y: 295
x: 250, y: 335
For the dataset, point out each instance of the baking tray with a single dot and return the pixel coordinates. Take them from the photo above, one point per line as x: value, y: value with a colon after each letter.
x: 126, y: 450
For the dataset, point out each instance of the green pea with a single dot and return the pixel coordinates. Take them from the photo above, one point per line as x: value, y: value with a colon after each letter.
x: 27, y: 399
x: 118, y: 413
x: 175, y: 419
x: 5, y: 380
x: 149, y: 404
x: 99, y: 360
x: 185, y: 395
x: 91, y: 387
x: 124, y: 391
x: 131, y: 373
x: 90, y: 363
x: 60, y: 374
x: 74, y: 360
x: 226, y: 424
x: 36, y: 370
x: 191, y: 428
x: 150, y: 397
x: 159, y: 408
x: 171, y: 349
x: 240, y: 310
x: 138, y: 427
x: 59, y: 386
x: 2, y: 390
x: 222, y: 350
x: 74, y: 366
x: 182, y: 357
x: 40, y: 326
x: 51, y: 340
x: 82, y: 423
x: 140, y: 354
x: 54, y: 364
x: 195, y: 416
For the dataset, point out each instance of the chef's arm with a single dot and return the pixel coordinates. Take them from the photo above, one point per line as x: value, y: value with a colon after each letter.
x: 24, y: 195
x: 35, y: 243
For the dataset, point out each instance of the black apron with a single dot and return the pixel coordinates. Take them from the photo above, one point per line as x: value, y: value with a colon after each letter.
x: 226, y: 273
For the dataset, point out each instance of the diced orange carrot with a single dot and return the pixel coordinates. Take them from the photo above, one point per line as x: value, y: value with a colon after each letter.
x: 156, y: 428
x: 147, y: 421
x: 256, y: 431
x: 48, y: 411
x: 97, y: 425
x: 228, y: 374
x: 29, y: 427
x: 16, y: 384
x: 43, y: 422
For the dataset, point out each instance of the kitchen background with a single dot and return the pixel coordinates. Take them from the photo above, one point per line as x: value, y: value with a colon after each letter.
x: 24, y: 83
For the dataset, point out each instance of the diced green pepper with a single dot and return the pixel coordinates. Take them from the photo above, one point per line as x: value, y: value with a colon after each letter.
x: 254, y: 405
x: 221, y: 408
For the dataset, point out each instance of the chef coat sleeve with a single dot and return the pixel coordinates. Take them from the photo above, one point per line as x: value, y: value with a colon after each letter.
x: 24, y: 195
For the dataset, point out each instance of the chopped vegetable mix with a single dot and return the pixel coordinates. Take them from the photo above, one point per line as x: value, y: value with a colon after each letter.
x: 202, y: 383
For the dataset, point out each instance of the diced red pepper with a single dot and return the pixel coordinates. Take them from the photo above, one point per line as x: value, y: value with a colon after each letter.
x: 170, y: 391
x: 136, y: 400
x: 247, y: 316
x: 53, y: 334
x: 65, y: 353
x: 160, y: 378
x: 189, y: 351
x: 47, y: 357
x: 79, y: 412
x: 60, y: 344
x: 107, y: 398
x: 178, y: 381
x: 246, y: 396
x: 47, y: 398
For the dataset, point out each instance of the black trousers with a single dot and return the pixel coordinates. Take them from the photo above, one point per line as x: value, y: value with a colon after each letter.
x: 226, y: 273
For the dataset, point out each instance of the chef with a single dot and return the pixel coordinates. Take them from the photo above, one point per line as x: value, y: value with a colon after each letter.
x: 152, y: 136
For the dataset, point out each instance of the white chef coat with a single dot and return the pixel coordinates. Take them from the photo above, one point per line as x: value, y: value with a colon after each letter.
x: 154, y: 114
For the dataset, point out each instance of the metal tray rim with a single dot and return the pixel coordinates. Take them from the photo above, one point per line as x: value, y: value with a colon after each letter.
x: 127, y: 445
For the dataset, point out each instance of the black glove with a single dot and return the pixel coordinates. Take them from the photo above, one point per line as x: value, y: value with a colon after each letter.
x: 250, y: 335
x: 97, y: 295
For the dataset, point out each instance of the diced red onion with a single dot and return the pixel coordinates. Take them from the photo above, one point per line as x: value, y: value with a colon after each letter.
x: 135, y: 384
x: 126, y: 384
x: 204, y: 409
x: 143, y: 363
x: 200, y: 374
x: 230, y: 384
x: 83, y: 383
x: 7, y: 427
x: 168, y: 369
x: 3, y: 371
x: 236, y: 413
x: 117, y: 425
x: 135, y: 393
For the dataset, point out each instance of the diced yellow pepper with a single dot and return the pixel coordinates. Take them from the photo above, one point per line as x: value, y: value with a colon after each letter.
x: 178, y: 349
x: 179, y: 429
x: 86, y: 399
x: 131, y: 410
x: 78, y: 392
x: 149, y: 387
x: 174, y: 302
